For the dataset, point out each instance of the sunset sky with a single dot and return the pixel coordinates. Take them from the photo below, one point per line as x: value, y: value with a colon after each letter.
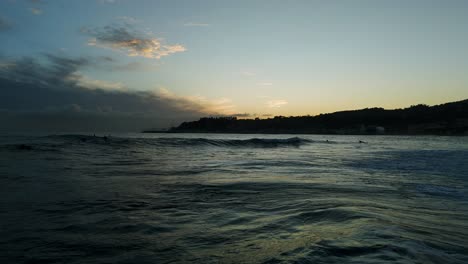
x: 121, y: 64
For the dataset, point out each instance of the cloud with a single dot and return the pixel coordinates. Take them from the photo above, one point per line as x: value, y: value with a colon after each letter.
x: 4, y: 24
x: 88, y: 83
x: 111, y: 64
x: 128, y: 20
x: 265, y: 83
x: 194, y: 24
x: 125, y: 38
x: 55, y: 96
x: 221, y: 106
x: 134, y: 66
x: 35, y: 11
x: 276, y: 103
x: 6, y: 65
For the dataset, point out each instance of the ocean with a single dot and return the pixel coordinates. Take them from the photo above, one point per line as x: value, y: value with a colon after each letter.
x: 226, y: 198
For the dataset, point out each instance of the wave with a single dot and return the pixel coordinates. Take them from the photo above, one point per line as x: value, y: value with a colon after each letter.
x: 184, y: 142
x: 253, y: 142
x: 29, y: 147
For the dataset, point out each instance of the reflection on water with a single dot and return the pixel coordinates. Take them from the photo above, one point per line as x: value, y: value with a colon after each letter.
x: 233, y: 199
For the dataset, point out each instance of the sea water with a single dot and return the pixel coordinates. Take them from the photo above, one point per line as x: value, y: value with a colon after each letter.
x: 217, y: 198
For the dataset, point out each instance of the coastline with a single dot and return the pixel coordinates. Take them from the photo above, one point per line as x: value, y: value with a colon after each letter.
x: 449, y: 119
x: 299, y: 133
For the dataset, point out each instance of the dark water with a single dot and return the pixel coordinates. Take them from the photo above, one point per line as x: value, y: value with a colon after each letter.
x: 233, y: 199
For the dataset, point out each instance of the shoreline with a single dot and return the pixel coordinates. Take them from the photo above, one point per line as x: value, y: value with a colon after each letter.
x: 298, y: 133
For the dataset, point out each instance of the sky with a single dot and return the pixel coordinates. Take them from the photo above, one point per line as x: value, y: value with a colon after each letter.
x: 128, y: 65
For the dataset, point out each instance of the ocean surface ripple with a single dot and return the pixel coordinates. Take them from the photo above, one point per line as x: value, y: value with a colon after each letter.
x: 214, y: 198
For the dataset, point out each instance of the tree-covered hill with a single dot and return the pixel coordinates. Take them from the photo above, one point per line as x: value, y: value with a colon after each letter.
x: 444, y: 119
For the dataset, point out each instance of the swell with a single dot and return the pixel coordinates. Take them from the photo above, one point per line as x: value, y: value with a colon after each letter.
x: 184, y: 142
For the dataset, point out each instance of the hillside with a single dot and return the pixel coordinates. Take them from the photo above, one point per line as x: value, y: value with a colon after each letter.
x: 445, y: 119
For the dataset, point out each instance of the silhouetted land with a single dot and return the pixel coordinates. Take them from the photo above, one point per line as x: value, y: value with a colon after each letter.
x: 444, y: 119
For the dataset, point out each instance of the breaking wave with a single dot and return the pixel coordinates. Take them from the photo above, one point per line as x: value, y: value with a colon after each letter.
x: 253, y: 142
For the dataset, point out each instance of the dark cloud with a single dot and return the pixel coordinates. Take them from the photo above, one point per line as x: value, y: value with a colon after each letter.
x: 54, y: 96
x: 125, y: 38
x: 101, y: 62
x: 111, y: 64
